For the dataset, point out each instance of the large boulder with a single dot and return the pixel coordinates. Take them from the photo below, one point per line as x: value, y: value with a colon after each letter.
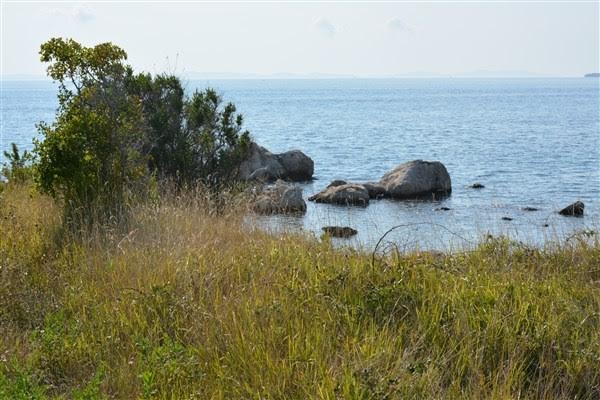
x: 339, y: 192
x: 262, y: 165
x: 279, y: 198
x: 297, y: 165
x: 417, y: 179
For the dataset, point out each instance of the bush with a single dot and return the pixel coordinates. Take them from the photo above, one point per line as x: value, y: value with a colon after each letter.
x: 115, y: 129
x: 18, y: 169
x: 162, y: 100
x: 216, y: 137
x: 190, y: 140
x: 91, y: 156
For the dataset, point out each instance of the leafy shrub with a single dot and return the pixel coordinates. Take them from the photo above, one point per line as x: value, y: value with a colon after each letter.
x: 91, y: 156
x: 116, y: 131
x: 217, y: 140
x: 19, y: 166
x: 190, y: 140
x: 162, y: 99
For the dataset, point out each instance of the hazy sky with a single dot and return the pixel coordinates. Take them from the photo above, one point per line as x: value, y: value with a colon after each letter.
x: 363, y: 39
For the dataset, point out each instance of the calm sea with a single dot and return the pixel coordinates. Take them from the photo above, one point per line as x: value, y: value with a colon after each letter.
x: 531, y: 142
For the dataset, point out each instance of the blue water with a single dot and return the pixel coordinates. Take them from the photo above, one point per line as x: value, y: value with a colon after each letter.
x: 531, y: 142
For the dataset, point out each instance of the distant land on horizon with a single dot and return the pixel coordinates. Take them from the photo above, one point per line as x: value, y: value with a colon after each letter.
x: 592, y: 75
x: 195, y: 75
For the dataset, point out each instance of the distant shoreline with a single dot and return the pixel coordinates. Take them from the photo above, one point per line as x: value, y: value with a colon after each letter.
x: 332, y: 78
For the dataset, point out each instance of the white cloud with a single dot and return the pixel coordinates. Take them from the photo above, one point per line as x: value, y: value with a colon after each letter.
x: 80, y: 12
x: 83, y: 13
x: 324, y: 26
x: 396, y: 24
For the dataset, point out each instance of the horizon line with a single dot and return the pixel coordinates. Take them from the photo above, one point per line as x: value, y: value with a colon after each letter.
x: 300, y: 76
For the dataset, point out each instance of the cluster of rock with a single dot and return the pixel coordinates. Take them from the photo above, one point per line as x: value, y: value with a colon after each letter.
x: 276, y: 191
x: 273, y: 195
x: 263, y: 166
x: 412, y: 180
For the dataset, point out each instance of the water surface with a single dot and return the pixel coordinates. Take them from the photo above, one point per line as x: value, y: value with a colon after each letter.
x: 531, y: 142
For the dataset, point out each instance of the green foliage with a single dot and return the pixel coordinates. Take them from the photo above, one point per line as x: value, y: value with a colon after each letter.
x: 116, y: 130
x: 190, y: 140
x: 162, y: 99
x: 18, y: 383
x: 91, y: 157
x: 218, y: 141
x: 18, y: 169
x: 92, y: 390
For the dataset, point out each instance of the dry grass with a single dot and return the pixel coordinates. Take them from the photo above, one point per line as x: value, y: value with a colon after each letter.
x: 191, y: 305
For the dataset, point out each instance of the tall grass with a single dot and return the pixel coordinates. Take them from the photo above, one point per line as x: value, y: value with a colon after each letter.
x: 190, y: 304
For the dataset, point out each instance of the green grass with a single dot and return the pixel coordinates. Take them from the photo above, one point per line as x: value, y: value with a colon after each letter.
x: 191, y: 305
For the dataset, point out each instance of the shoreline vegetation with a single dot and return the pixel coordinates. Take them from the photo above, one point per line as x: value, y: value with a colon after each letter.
x: 127, y: 271
x: 188, y: 303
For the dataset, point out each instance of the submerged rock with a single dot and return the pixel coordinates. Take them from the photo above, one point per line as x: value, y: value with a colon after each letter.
x: 573, y: 210
x: 279, y: 198
x: 529, y: 209
x: 339, y: 231
x: 344, y: 194
x: 477, y: 185
x: 264, y: 166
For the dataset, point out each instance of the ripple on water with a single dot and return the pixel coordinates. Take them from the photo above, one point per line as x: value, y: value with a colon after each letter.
x: 529, y: 141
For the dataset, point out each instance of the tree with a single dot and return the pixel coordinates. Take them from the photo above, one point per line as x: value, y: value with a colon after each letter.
x: 90, y: 157
x: 162, y: 99
x: 114, y: 129
x: 219, y: 143
x: 190, y: 140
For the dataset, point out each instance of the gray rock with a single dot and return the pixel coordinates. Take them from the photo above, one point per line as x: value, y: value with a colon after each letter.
x: 417, y: 179
x: 297, y: 165
x: 263, y: 174
x: 261, y: 161
x: 279, y: 198
x: 573, y: 210
x: 343, y: 194
x: 339, y: 231
x: 262, y: 165
x: 375, y: 189
x: 337, y: 182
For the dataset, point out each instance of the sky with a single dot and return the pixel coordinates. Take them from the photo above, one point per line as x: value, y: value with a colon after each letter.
x: 361, y: 39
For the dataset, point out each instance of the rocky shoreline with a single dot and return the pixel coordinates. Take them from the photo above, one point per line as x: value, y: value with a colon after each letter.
x: 276, y: 187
